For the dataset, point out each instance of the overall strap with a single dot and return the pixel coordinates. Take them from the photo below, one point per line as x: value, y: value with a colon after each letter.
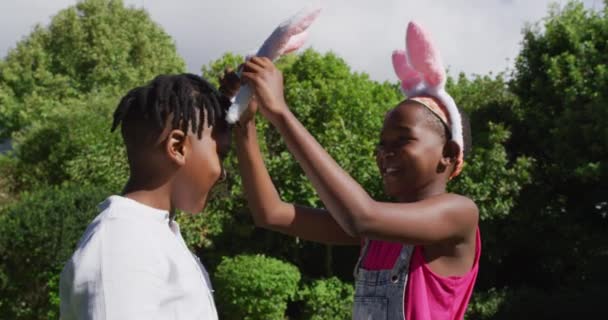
x: 403, y: 262
x: 361, y: 257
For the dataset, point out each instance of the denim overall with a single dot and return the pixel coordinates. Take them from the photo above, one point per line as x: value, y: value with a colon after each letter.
x: 379, y: 294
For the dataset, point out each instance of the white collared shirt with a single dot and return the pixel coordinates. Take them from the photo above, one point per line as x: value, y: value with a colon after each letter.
x: 132, y: 263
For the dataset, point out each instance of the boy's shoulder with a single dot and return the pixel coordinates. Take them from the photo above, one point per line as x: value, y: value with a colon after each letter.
x: 118, y: 227
x: 115, y: 236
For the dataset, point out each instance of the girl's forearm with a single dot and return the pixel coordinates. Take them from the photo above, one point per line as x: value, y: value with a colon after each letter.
x: 344, y: 198
x: 262, y: 197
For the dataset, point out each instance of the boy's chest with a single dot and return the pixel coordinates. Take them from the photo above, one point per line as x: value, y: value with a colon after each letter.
x: 187, y: 284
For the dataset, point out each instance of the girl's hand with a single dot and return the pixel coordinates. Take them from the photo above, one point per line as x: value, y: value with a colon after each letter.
x: 249, y: 113
x: 267, y: 81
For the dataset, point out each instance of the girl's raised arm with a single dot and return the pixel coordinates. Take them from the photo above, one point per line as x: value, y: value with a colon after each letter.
x: 266, y: 206
x: 447, y: 217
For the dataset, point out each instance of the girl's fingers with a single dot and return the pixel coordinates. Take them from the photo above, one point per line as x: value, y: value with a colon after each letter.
x: 256, y: 60
x: 251, y: 66
x: 265, y: 62
x: 250, y: 77
x: 261, y: 61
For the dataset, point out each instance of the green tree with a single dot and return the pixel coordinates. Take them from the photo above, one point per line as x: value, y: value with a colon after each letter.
x: 561, y: 77
x: 74, y: 147
x: 37, y: 236
x: 93, y: 46
x: 492, y: 177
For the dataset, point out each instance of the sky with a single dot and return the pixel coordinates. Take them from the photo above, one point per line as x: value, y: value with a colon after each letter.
x: 474, y: 36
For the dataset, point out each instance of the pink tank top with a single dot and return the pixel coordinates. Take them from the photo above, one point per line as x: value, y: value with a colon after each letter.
x: 427, y: 295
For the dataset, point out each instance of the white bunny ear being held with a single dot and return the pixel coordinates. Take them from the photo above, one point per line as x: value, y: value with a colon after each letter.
x: 422, y: 74
x: 289, y: 36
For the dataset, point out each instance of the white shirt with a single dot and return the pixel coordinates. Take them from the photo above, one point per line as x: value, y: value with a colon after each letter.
x: 132, y: 263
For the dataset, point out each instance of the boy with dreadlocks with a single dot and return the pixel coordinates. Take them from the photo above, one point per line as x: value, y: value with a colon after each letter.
x: 132, y: 262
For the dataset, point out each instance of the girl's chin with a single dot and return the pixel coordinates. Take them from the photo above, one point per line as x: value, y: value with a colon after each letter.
x: 391, y: 191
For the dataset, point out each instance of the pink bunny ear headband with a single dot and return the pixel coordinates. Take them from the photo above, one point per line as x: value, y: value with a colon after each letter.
x: 422, y: 76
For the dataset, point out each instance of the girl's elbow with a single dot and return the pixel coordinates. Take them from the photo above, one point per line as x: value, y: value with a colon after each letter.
x: 263, y: 218
x: 260, y: 220
x: 362, y: 225
x: 267, y: 217
x: 359, y: 229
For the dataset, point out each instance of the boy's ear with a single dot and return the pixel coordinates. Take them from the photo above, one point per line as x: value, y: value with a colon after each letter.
x: 451, y: 150
x: 176, y: 146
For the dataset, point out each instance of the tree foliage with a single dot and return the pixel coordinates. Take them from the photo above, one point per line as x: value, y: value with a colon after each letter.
x: 37, y: 236
x: 94, y: 46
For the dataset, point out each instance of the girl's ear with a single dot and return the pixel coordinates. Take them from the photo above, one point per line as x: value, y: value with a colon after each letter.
x: 451, y: 152
x: 177, y: 147
x: 424, y: 56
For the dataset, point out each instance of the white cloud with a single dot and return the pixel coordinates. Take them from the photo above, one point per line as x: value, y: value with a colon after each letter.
x: 474, y: 36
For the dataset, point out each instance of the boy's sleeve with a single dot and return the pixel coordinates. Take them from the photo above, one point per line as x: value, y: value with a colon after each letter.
x: 80, y: 289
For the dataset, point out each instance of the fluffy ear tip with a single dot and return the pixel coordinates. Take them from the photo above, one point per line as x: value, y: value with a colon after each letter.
x: 416, y: 32
x: 413, y: 26
x: 312, y: 12
x: 399, y: 56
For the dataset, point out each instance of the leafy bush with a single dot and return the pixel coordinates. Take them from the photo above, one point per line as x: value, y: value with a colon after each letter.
x: 327, y: 299
x: 37, y: 235
x: 485, y: 305
x: 254, y: 287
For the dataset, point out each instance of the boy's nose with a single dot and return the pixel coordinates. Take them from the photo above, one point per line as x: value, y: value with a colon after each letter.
x: 223, y: 175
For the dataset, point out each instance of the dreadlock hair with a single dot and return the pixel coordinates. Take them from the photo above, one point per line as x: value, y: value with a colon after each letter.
x: 177, y: 95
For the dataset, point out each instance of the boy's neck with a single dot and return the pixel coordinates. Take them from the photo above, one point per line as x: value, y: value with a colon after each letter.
x: 158, y: 197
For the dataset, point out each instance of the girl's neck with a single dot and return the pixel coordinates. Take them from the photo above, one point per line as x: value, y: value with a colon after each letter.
x: 423, y: 193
